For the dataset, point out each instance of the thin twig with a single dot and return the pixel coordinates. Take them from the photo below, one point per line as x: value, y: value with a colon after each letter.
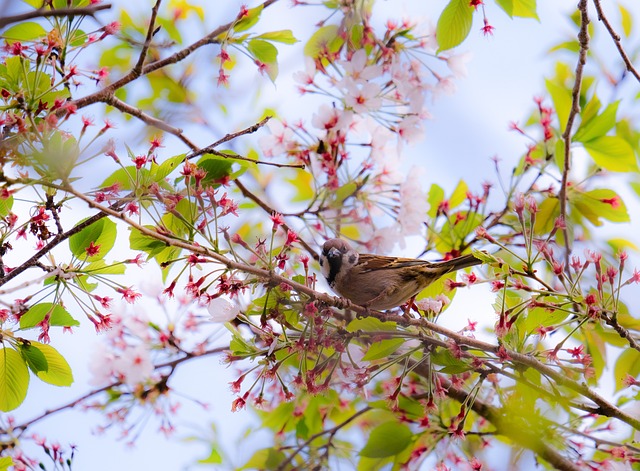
x: 42, y: 13
x: 583, y: 39
x: 84, y: 397
x: 332, y: 431
x: 616, y: 40
x: 149, y: 120
x: 147, y: 41
x: 231, y: 136
x: 269, y: 210
x: 210, y: 38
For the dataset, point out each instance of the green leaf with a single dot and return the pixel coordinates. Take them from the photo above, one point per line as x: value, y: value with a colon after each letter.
x: 324, y: 39
x: 58, y: 156
x: 597, y: 126
x: 27, y: 31
x: 267, y: 459
x: 435, y: 197
x: 600, y: 203
x: 249, y: 20
x: 35, y: 359
x: 612, y: 153
x: 144, y: 243
x: 459, y: 195
x: 5, y: 462
x: 371, y: 324
x: 100, y: 267
x: 548, y: 212
x: 216, y: 167
x: 450, y: 364
x: 344, y: 192
x: 539, y: 316
x: 628, y: 363
x: 58, y: 371
x: 6, y: 204
x: 213, y: 458
x: 160, y: 172
x: 283, y: 36
x: 626, y: 20
x: 454, y: 24
x: 382, y: 349
x: 561, y: 98
x: 58, y: 316
x: 263, y: 51
x: 302, y: 181
x: 126, y: 177
x: 519, y: 8
x: 102, y: 233
x: 387, y: 439
x: 14, y: 379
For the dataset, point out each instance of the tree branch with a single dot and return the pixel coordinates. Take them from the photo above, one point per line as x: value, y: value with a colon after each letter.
x: 210, y: 38
x: 605, y: 408
x: 42, y: 13
x: 616, y: 40
x: 583, y: 38
x: 506, y: 426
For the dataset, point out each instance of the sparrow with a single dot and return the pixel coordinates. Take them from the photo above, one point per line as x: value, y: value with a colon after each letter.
x: 380, y: 282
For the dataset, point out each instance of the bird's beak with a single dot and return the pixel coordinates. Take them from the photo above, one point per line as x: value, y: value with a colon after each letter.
x: 334, y: 253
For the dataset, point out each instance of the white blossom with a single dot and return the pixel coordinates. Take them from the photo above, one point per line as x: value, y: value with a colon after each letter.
x: 413, y: 202
x: 222, y: 310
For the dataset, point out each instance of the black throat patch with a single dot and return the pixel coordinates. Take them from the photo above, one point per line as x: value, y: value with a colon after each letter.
x: 334, y: 268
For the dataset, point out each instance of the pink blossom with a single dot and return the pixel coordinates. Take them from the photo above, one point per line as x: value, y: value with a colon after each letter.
x: 128, y: 294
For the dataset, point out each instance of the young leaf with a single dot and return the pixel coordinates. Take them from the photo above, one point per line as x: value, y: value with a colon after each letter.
x: 58, y: 316
x: 626, y: 20
x: 14, y: 379
x: 5, y: 462
x: 103, y: 235
x: 628, y: 363
x: 324, y: 39
x: 598, y: 125
x: 249, y: 19
x: 519, y: 8
x: 387, y: 439
x: 612, y: 153
x: 6, y: 204
x: 267, y: 458
x: 561, y: 98
x: 382, y: 349
x: 283, y: 36
x: 35, y: 359
x: 27, y: 31
x: 58, y: 371
x: 454, y: 24
x: 160, y: 172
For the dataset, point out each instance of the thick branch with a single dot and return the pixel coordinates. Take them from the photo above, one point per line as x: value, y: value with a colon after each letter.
x: 42, y: 13
x: 529, y: 438
x: 605, y: 408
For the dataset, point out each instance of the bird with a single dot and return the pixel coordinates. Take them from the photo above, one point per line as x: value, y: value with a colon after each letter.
x: 380, y: 282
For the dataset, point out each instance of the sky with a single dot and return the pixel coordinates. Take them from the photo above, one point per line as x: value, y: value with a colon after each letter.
x: 468, y: 128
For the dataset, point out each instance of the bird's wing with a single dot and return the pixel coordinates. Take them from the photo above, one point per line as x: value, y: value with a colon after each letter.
x: 370, y: 262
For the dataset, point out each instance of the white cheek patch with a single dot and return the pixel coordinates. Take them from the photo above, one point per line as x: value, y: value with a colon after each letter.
x: 324, y: 267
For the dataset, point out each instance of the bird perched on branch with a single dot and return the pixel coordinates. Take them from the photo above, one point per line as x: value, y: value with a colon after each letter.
x: 379, y: 282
